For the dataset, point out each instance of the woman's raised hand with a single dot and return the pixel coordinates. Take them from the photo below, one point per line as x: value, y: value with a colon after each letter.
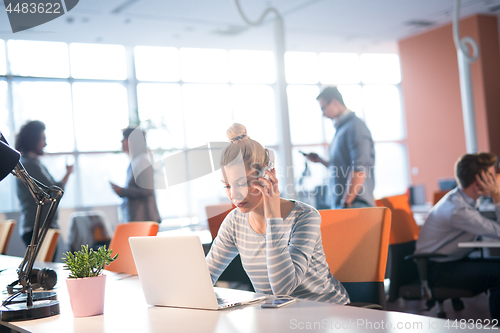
x: 270, y: 194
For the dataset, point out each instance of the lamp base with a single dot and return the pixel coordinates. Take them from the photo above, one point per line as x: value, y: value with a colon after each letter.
x: 37, y: 296
x: 20, y: 311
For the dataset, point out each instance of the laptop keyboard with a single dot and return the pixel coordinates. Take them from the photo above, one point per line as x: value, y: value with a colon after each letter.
x: 225, y: 301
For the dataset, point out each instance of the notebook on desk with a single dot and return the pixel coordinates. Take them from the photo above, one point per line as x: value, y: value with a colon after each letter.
x: 173, y: 272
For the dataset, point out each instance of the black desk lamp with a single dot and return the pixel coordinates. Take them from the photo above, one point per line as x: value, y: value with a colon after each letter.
x: 32, y: 308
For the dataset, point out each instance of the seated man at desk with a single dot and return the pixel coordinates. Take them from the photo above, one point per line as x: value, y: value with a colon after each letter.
x: 455, y: 219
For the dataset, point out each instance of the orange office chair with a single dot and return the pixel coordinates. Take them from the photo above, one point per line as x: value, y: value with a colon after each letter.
x: 355, y: 242
x: 6, y: 229
x: 404, y: 234
x: 216, y: 214
x: 49, y: 246
x: 119, y: 244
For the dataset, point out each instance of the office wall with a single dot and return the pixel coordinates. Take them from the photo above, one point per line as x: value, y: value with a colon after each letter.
x: 432, y: 102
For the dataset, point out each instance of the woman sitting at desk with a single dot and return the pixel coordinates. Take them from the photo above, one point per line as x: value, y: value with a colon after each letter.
x: 279, y: 240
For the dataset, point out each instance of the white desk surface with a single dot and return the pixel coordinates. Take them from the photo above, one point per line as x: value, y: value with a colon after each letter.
x: 126, y: 311
x: 481, y: 243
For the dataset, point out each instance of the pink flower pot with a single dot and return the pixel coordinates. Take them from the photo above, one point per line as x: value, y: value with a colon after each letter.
x: 87, y: 295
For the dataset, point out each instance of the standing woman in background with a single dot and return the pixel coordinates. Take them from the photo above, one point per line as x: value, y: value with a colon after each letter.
x: 30, y: 141
x: 139, y: 198
x: 279, y: 240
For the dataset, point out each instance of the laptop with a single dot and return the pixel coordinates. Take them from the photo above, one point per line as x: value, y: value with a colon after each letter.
x: 173, y: 272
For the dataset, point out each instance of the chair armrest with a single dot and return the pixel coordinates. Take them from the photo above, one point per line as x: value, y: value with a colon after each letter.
x: 425, y: 256
x: 365, y: 305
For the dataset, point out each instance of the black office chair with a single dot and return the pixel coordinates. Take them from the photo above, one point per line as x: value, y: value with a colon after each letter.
x: 434, y: 294
x: 409, y: 280
x: 403, y: 274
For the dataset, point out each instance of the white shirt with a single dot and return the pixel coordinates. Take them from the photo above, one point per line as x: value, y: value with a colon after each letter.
x: 452, y: 220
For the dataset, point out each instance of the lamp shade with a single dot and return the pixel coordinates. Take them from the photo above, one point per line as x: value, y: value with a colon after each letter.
x: 9, y: 157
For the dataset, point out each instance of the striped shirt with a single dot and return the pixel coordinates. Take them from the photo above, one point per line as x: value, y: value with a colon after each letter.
x: 287, y: 260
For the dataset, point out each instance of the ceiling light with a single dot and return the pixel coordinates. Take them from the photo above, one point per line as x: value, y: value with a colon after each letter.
x: 420, y: 23
x: 229, y: 30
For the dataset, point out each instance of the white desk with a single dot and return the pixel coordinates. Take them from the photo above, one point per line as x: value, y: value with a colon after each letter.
x: 126, y: 311
x: 481, y: 243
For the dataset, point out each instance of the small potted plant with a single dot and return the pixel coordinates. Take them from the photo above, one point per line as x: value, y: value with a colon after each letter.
x: 85, y: 283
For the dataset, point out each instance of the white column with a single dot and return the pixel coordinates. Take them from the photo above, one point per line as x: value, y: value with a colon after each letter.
x: 283, y: 119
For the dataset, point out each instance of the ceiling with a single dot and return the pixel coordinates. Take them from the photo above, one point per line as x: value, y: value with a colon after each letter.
x: 310, y: 25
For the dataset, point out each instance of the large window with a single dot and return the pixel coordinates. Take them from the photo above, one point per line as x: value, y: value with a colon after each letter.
x: 92, y: 61
x: 197, y: 96
x: 157, y: 63
x: 251, y: 66
x: 184, y: 98
x: 50, y: 102
x: 3, y: 65
x: 339, y: 68
x: 204, y: 65
x: 100, y: 111
x: 40, y: 59
x: 7, y: 185
x: 208, y: 107
x: 4, y: 111
x: 160, y: 109
x: 83, y: 107
x: 253, y: 105
x: 369, y: 84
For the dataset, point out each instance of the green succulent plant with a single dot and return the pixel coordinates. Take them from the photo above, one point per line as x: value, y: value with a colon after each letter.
x: 87, y: 263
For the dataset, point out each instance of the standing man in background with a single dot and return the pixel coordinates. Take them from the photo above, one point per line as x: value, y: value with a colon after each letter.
x: 139, y: 200
x: 30, y: 141
x: 352, y: 154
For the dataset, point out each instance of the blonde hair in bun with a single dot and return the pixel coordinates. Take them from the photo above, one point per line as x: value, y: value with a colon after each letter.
x: 252, y: 153
x: 237, y: 132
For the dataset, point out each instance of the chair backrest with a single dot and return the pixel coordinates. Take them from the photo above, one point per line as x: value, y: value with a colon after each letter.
x: 216, y: 214
x: 6, y: 229
x: 438, y: 195
x: 88, y: 228
x: 403, y: 227
x: 355, y: 242
x: 402, y: 273
x: 49, y: 245
x: 119, y: 244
